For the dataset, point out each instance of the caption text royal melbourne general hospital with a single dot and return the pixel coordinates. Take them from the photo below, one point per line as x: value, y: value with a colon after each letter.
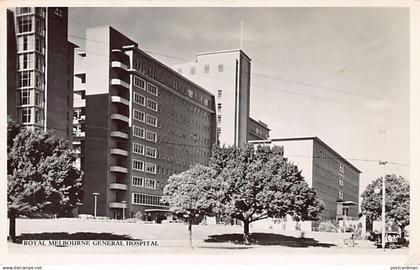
x: 134, y: 121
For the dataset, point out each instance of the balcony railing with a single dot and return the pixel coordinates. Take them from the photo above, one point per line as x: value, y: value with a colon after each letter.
x: 119, y: 134
x: 118, y: 186
x: 118, y: 169
x: 117, y: 151
x: 117, y: 116
x: 120, y: 83
x: 118, y: 64
x: 119, y: 100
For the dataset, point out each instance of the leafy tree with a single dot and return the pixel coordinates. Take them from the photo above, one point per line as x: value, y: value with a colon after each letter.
x: 261, y: 183
x: 41, y: 178
x: 192, y: 194
x: 397, y: 201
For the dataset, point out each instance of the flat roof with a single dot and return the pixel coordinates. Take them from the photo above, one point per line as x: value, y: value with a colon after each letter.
x: 318, y: 140
x: 226, y: 51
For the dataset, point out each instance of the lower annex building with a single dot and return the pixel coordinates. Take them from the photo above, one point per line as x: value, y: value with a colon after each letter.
x: 137, y: 122
x: 335, y: 180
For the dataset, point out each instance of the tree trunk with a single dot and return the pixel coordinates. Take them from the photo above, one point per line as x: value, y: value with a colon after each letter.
x: 246, y: 232
x: 190, y: 231
x: 12, y: 227
x: 402, y: 234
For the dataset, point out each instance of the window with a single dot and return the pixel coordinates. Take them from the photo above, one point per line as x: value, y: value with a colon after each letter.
x: 25, y: 97
x: 23, y: 10
x: 39, y: 63
x: 206, y: 102
x: 25, y: 24
x: 38, y: 117
x: 138, y: 165
x: 206, y: 68
x: 219, y: 106
x: 26, y: 78
x: 138, y: 115
x: 192, y: 70
x: 139, y: 99
x: 151, y: 120
x: 151, y: 152
x: 219, y: 119
x: 220, y: 68
x: 150, y: 168
x: 341, y: 168
x: 150, y: 183
x: 39, y: 45
x: 138, y: 148
x: 190, y: 93
x: 26, y: 61
x: 26, y: 43
x: 340, y: 181
x: 151, y: 104
x: 138, y: 132
x: 140, y: 83
x: 152, y: 89
x: 137, y: 181
x: 151, y: 136
x: 39, y: 81
x: 146, y: 199
x: 219, y: 93
x: 38, y: 100
x: 26, y: 115
x: 340, y: 194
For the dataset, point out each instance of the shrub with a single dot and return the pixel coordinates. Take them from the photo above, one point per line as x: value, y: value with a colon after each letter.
x: 328, y: 226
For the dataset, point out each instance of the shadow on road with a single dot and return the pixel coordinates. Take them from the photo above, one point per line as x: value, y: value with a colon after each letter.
x: 268, y: 239
x: 71, y: 236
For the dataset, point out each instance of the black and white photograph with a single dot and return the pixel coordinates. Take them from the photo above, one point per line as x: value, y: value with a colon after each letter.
x: 137, y: 129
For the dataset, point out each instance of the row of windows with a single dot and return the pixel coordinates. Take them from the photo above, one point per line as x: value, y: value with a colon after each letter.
x: 31, y: 79
x: 143, y: 182
x: 220, y: 68
x: 141, y: 100
x: 31, y: 116
x: 30, y: 43
x: 144, y: 150
x: 151, y: 88
x: 29, y: 24
x: 31, y: 61
x: 142, y: 166
x: 27, y: 97
x: 149, y: 119
x: 144, y: 134
x: 146, y: 199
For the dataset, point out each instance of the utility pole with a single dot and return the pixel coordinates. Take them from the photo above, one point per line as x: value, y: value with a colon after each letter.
x: 383, y: 163
x: 383, y: 205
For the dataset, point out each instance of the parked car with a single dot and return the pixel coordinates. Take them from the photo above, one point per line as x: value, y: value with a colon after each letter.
x: 392, y: 240
x: 85, y: 216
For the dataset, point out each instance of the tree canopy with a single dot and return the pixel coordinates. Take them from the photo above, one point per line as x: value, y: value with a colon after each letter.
x: 193, y: 193
x: 260, y: 183
x: 397, y: 200
x: 41, y: 176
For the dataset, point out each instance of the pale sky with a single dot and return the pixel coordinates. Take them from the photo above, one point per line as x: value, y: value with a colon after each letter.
x: 357, y: 57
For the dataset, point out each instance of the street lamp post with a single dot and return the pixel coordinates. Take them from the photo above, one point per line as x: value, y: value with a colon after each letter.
x: 95, y: 195
x: 124, y: 203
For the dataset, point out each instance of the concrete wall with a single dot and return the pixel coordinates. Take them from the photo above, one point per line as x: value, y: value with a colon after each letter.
x: 96, y: 155
x: 326, y: 180
x: 234, y: 82
x: 58, y: 81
